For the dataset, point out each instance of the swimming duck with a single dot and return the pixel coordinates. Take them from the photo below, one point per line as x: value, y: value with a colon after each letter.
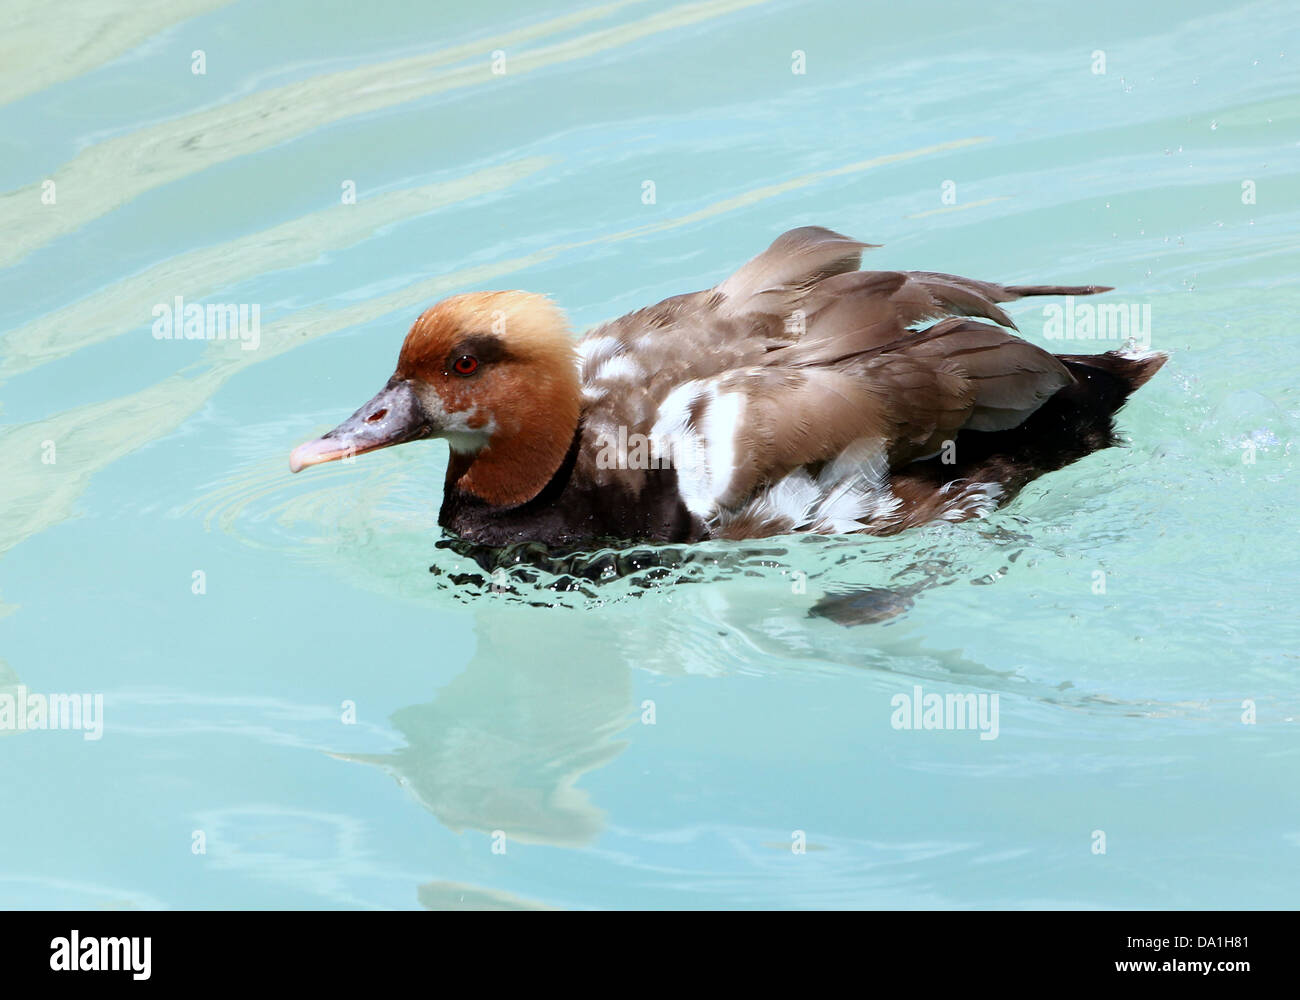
x: 799, y: 395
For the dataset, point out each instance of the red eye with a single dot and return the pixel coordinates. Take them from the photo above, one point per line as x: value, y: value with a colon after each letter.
x: 466, y: 365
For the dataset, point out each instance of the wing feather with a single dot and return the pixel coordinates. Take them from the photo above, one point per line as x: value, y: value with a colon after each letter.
x: 799, y: 359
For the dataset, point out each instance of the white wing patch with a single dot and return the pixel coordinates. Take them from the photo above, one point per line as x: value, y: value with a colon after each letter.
x: 695, y: 429
x: 622, y: 367
x: 603, y: 363
x: 851, y: 493
x: 594, y: 350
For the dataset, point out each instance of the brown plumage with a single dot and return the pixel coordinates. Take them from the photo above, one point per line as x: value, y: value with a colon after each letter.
x: 800, y: 394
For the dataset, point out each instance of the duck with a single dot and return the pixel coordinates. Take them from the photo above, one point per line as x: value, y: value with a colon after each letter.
x: 800, y: 395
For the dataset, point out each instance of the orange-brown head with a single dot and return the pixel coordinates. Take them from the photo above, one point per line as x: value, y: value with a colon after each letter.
x: 494, y: 373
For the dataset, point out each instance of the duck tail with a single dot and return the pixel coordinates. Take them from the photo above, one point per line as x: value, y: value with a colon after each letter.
x: 1122, y: 372
x: 1075, y: 421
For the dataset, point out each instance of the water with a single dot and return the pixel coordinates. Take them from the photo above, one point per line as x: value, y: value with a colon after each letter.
x: 1129, y: 612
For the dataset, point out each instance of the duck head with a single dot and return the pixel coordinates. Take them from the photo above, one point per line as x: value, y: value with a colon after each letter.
x: 495, y: 374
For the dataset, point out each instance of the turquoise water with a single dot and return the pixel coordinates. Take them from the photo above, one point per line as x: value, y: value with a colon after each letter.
x: 327, y: 723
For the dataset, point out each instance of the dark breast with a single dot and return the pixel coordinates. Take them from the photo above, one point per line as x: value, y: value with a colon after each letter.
x: 572, y: 512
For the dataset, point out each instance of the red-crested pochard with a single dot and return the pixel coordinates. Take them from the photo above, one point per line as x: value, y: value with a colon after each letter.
x: 799, y: 395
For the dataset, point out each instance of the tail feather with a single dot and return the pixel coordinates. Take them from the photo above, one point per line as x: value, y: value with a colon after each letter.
x: 1132, y: 368
x: 1076, y: 421
x: 1024, y: 290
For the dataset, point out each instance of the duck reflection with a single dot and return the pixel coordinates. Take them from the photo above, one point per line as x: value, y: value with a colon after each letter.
x: 504, y: 744
x: 550, y: 691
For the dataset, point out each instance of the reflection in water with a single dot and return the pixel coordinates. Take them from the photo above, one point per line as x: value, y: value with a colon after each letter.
x: 503, y: 745
x: 531, y: 573
x: 868, y: 605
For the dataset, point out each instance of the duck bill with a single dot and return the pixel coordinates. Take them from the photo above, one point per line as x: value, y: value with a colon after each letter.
x: 394, y: 416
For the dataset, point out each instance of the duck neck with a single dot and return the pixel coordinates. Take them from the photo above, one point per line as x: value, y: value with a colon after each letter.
x: 545, y: 518
x: 514, y: 469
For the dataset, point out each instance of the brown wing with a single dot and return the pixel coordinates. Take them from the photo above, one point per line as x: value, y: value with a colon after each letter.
x: 799, y: 355
x: 901, y: 401
x: 630, y: 365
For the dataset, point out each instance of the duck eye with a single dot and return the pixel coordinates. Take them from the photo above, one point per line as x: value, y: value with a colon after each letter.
x: 465, y: 365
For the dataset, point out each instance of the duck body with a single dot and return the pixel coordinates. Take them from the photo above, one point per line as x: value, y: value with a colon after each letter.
x: 800, y: 395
